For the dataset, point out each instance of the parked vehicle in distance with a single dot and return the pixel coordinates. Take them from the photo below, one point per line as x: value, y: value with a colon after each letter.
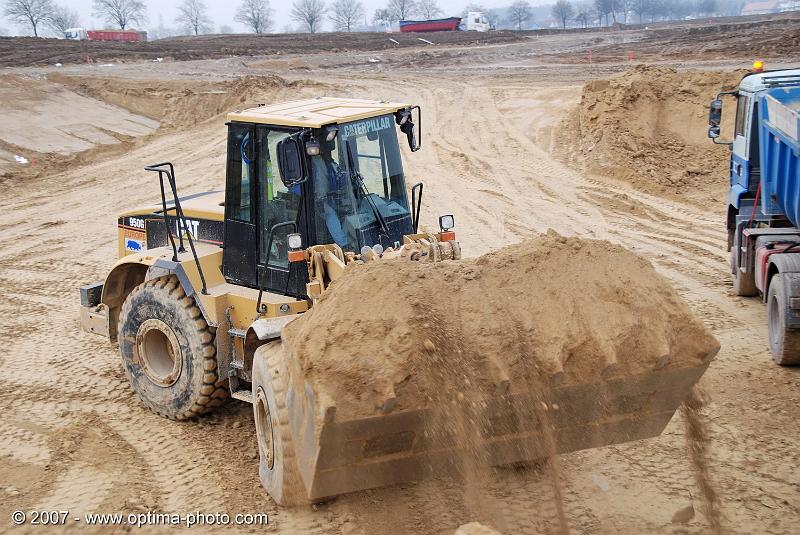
x: 477, y: 22
x: 435, y: 25
x: 82, y: 34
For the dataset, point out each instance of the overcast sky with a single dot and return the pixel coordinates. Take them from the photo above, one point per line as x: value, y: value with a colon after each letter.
x: 223, y: 11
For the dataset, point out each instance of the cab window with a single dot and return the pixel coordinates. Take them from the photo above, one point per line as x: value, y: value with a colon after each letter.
x: 277, y: 203
x: 743, y: 103
x: 240, y: 159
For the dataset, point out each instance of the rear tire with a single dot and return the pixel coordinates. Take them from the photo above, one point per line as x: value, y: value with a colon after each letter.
x: 277, y: 461
x: 168, y: 351
x: 783, y: 341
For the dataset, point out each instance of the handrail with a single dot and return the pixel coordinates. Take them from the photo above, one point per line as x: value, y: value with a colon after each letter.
x: 180, y: 219
x: 416, y: 204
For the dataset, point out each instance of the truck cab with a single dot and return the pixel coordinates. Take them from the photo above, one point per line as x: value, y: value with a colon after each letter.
x: 477, y: 22
x: 76, y: 34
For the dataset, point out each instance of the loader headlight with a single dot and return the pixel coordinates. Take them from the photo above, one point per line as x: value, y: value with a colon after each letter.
x: 312, y: 147
x: 446, y: 222
x: 294, y: 241
x: 330, y: 133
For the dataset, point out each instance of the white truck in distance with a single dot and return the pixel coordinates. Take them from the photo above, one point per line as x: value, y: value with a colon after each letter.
x: 477, y: 22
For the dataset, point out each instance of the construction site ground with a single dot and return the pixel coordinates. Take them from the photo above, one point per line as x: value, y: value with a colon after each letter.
x: 499, y: 153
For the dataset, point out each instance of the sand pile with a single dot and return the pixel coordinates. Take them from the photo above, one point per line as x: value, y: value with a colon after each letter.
x: 555, y: 309
x: 648, y: 126
x: 184, y: 103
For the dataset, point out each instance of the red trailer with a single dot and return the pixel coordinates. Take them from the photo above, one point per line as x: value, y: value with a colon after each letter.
x: 116, y: 35
x: 437, y: 25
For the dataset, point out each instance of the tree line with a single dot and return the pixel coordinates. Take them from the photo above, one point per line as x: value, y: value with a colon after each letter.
x: 607, y: 12
x: 347, y: 15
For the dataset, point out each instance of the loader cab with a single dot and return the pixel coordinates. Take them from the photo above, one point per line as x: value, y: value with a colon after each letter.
x: 340, y: 182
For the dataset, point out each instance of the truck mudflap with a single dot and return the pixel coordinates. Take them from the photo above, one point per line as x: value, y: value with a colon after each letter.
x: 337, y: 456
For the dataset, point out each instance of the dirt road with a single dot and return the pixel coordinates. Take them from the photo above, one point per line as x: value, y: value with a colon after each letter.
x: 73, y: 436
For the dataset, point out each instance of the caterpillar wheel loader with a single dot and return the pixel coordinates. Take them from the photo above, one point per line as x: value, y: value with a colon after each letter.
x: 205, y: 283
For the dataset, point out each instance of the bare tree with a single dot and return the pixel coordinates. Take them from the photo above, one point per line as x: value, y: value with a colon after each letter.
x: 402, y: 9
x: 33, y: 12
x: 255, y: 14
x: 603, y: 9
x: 383, y: 16
x: 563, y: 11
x: 582, y: 15
x: 192, y: 15
x: 121, y: 13
x: 428, y: 9
x: 345, y: 14
x: 520, y: 13
x: 62, y: 18
x: 224, y: 29
x: 309, y: 13
x: 641, y: 8
x: 707, y: 7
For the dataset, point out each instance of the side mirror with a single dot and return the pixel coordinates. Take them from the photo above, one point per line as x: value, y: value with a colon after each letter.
x: 713, y: 132
x: 290, y: 161
x: 715, y: 114
x: 411, y: 126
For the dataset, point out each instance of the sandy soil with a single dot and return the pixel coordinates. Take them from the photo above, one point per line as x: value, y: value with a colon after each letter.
x: 73, y: 436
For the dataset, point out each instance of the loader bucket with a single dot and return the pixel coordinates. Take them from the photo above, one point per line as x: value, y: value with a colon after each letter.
x: 337, y: 456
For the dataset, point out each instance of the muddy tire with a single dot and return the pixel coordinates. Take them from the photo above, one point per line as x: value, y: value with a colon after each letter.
x: 744, y: 284
x: 168, y: 351
x: 276, y: 456
x: 783, y: 341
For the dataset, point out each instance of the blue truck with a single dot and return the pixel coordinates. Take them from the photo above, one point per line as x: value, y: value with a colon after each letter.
x: 763, y: 217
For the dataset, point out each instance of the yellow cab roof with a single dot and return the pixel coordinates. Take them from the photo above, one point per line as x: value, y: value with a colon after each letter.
x: 316, y: 112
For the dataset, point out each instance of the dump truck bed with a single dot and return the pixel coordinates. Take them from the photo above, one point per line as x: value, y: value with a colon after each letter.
x: 779, y: 144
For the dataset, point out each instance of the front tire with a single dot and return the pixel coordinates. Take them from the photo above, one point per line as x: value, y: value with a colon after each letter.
x: 277, y: 468
x: 783, y: 341
x: 168, y: 351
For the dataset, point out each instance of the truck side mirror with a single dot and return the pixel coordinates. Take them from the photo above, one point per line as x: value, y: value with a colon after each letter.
x: 715, y: 114
x: 290, y: 161
x: 713, y: 132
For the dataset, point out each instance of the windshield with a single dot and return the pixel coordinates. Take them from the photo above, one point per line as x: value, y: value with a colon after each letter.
x: 359, y: 186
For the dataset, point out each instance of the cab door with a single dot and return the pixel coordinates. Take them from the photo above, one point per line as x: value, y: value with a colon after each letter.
x: 280, y: 213
x: 239, y: 257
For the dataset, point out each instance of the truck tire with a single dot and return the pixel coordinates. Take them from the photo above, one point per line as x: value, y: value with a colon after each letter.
x: 168, y: 351
x: 277, y: 461
x: 744, y: 284
x: 783, y: 341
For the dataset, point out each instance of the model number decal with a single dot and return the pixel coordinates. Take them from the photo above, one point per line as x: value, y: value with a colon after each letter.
x: 135, y: 222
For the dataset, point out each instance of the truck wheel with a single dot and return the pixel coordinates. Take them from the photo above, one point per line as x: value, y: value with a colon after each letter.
x: 784, y: 342
x: 743, y: 284
x: 277, y: 462
x: 168, y: 351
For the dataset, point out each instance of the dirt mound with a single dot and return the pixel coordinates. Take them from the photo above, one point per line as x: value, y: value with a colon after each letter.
x: 181, y: 103
x: 648, y: 127
x: 552, y: 308
x: 20, y: 51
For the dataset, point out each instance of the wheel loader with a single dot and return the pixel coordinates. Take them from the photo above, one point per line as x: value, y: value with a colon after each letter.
x: 205, y: 284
